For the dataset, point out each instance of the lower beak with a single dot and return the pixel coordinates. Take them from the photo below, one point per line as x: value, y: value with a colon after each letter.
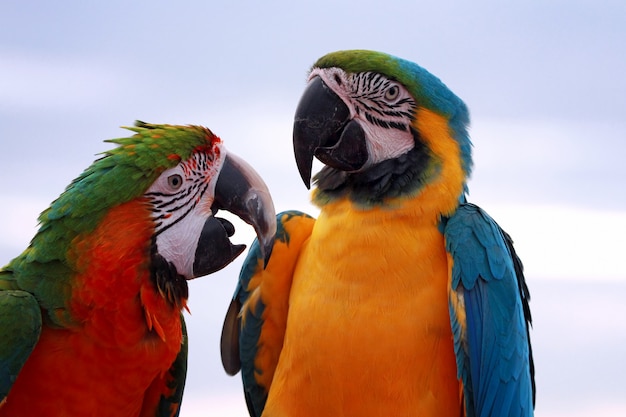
x: 241, y: 191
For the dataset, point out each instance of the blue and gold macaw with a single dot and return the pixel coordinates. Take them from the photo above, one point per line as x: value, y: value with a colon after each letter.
x: 401, y: 298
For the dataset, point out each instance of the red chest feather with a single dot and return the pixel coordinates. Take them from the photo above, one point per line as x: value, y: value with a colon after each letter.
x: 125, y: 333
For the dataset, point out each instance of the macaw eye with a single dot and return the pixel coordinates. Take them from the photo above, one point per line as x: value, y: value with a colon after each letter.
x: 392, y: 92
x: 175, y: 181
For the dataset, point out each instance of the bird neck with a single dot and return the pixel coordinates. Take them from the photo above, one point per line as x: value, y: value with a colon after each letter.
x: 429, y: 179
x: 114, y: 264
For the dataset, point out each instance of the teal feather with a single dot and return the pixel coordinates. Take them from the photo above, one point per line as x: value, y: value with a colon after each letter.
x: 250, y: 331
x: 249, y: 334
x: 493, y: 352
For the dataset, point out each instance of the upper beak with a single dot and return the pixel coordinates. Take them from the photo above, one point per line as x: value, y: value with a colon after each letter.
x: 241, y: 191
x: 323, y: 128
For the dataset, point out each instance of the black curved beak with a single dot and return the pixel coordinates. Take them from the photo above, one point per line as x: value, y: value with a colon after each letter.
x: 322, y: 128
x: 241, y: 191
x: 215, y: 250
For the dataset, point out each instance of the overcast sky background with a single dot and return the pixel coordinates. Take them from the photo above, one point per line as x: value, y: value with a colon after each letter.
x: 544, y: 82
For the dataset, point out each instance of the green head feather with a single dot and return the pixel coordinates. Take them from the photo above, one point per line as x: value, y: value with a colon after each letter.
x: 125, y: 172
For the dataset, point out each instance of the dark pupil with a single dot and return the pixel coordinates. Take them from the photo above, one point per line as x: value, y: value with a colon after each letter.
x: 174, y: 180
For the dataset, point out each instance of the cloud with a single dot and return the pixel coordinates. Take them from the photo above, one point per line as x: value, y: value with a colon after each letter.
x: 44, y: 82
x: 565, y: 243
x: 552, y: 161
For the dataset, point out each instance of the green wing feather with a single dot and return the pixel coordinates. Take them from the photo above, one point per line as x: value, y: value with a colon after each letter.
x: 20, y: 326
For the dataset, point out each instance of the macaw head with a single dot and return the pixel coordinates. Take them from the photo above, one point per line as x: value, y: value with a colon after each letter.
x: 383, y: 127
x: 185, y: 175
x: 165, y: 183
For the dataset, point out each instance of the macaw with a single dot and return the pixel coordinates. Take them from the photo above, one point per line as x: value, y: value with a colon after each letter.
x: 91, y: 312
x: 401, y: 298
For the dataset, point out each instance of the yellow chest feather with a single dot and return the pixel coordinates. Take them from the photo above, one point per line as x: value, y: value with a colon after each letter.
x: 368, y: 325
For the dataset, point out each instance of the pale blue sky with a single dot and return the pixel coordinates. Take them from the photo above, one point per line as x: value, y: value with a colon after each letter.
x: 544, y: 82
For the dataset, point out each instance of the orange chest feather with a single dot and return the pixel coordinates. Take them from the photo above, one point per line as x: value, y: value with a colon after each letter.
x: 112, y: 292
x: 368, y: 321
x: 124, y: 336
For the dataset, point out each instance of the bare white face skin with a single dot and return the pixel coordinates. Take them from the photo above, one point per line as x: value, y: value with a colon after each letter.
x: 384, y: 109
x: 181, y: 199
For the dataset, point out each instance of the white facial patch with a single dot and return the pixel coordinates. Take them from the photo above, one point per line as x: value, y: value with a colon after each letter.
x: 181, y: 200
x: 383, y: 107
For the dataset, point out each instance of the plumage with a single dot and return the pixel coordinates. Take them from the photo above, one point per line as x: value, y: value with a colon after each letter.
x: 401, y: 298
x: 91, y: 312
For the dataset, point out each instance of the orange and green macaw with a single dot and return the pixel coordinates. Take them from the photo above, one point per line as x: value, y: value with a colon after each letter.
x: 401, y: 298
x: 91, y: 312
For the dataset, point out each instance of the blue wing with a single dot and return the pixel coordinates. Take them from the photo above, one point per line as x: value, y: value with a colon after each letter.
x: 253, y: 332
x: 490, y: 316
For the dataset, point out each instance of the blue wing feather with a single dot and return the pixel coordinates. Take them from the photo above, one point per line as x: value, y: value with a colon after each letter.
x: 239, y: 339
x: 255, y: 394
x: 491, y: 333
x: 245, y: 320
